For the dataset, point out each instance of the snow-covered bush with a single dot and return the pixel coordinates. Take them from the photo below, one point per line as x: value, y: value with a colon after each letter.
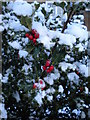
x: 44, y: 58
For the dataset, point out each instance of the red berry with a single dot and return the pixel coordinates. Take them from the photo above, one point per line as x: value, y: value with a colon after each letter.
x: 81, y: 89
x: 77, y: 73
x: 35, y: 44
x: 34, y: 40
x: 36, y: 35
x: 47, y: 63
x: 48, y: 70
x: 27, y: 35
x: 34, y: 31
x: 41, y: 82
x: 51, y: 68
x: 34, y: 86
x: 30, y: 37
x: 43, y: 88
x: 44, y: 67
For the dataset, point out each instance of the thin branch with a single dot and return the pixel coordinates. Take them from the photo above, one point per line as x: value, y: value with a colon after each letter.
x: 69, y: 16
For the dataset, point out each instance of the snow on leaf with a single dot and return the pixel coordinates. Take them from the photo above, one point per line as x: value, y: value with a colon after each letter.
x: 15, y: 45
x: 23, y: 53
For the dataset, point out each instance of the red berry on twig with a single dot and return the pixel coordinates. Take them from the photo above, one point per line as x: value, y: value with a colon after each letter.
x: 77, y: 73
x: 51, y: 68
x: 48, y: 70
x: 41, y: 82
x: 47, y: 63
x: 30, y: 37
x: 34, y: 86
x: 34, y: 31
x: 44, y: 67
x: 27, y: 35
x: 81, y: 89
x: 43, y: 88
x: 36, y: 35
x: 34, y: 40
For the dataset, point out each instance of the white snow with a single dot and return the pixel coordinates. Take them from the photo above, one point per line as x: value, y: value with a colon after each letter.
x: 50, y: 90
x: 64, y: 66
x: 1, y: 16
x: 86, y: 90
x: 23, y: 53
x: 61, y: 90
x: 64, y: 17
x: 80, y: 46
x: 15, y: 45
x: 16, y: 96
x: 1, y: 28
x: 3, y: 113
x: 78, y: 31
x: 63, y: 110
x: 26, y: 67
x: 20, y: 7
x: 77, y: 112
x: 0, y: 76
x: 4, y: 80
x: 73, y: 77
x: 67, y: 39
x: 68, y: 58
x: 40, y: 16
x: 49, y: 97
x: 81, y: 17
x: 53, y: 76
x: 83, y: 115
x: 46, y: 36
x: 82, y: 68
x: 39, y: 96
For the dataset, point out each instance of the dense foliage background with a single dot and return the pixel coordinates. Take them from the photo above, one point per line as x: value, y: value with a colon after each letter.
x: 30, y: 91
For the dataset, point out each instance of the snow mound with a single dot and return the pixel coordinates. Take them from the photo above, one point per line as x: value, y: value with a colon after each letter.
x: 46, y: 36
x: 79, y: 31
x: 20, y: 7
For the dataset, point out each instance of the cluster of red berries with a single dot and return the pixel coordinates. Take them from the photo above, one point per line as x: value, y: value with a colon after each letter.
x: 48, y: 67
x: 34, y: 35
x: 40, y: 85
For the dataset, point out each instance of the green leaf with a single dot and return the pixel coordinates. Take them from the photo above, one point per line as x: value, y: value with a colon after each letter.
x: 29, y: 22
x: 62, y: 4
x: 37, y: 6
x: 43, y: 11
x: 22, y: 20
x: 26, y: 21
